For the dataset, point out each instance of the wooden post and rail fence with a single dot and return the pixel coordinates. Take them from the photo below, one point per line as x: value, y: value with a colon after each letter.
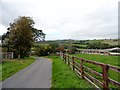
x: 88, y: 74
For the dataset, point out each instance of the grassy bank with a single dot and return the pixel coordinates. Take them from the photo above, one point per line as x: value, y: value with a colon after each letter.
x: 12, y: 66
x: 64, y: 77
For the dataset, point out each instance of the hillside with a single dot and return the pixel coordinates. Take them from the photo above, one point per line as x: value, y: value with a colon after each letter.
x: 67, y: 41
x: 85, y: 44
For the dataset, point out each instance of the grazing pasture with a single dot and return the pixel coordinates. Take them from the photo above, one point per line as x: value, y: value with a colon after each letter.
x: 111, y: 60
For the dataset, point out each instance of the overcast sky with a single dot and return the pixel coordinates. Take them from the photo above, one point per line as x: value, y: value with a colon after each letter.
x: 65, y: 19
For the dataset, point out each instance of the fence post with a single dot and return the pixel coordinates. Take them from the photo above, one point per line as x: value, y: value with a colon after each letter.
x: 105, y: 77
x: 61, y: 55
x: 81, y: 69
x: 68, y: 60
x: 65, y: 58
x: 73, y: 62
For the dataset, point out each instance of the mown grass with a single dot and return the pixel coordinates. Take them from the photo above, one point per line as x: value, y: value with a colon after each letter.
x: 10, y: 67
x: 64, y: 77
x: 94, y: 41
x: 111, y: 41
x: 112, y: 60
x: 80, y: 45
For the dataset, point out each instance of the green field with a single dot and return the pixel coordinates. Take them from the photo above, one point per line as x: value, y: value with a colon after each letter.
x: 80, y: 45
x: 12, y: 66
x: 112, y: 60
x: 107, y: 41
x: 64, y: 77
x: 94, y: 41
x: 111, y: 42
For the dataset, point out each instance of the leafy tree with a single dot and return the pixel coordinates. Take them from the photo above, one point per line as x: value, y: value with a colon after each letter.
x: 43, y: 50
x: 53, y: 46
x: 71, y: 49
x: 61, y: 48
x: 38, y: 35
x: 98, y: 45
x: 21, y: 35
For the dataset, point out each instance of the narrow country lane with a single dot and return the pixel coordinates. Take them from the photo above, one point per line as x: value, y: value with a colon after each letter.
x: 37, y: 75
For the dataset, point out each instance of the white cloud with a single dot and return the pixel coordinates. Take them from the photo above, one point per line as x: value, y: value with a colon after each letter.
x: 3, y: 29
x: 61, y: 19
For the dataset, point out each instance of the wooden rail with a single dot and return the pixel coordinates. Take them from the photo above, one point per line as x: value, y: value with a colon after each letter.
x: 81, y: 69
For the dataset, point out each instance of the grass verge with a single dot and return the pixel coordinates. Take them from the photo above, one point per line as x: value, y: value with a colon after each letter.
x: 12, y: 66
x: 64, y: 77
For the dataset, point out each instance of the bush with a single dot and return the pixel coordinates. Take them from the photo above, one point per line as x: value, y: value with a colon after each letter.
x: 43, y: 50
x: 60, y: 48
x: 53, y: 46
x: 98, y: 45
x: 72, y: 50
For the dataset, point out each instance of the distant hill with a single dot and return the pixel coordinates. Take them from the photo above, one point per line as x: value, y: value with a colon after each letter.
x: 111, y: 41
x: 107, y: 41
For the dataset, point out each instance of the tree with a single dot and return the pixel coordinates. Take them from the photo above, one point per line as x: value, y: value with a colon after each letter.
x: 53, y: 46
x: 43, y: 50
x: 60, y: 48
x: 71, y: 49
x: 98, y: 45
x: 21, y: 36
x: 38, y: 35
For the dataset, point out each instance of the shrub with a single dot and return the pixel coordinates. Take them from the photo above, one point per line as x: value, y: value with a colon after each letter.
x: 43, y: 50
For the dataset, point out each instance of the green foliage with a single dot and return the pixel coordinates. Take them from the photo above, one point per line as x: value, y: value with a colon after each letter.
x: 81, y: 46
x: 98, y: 45
x: 53, y: 46
x: 84, y: 44
x: 111, y: 42
x: 64, y: 77
x: 61, y: 48
x: 38, y: 35
x: 71, y: 49
x: 43, y: 50
x: 21, y: 36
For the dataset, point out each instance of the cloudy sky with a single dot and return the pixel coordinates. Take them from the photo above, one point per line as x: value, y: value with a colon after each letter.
x: 65, y: 19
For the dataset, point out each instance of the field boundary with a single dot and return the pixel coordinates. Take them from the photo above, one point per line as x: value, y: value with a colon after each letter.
x: 80, y: 69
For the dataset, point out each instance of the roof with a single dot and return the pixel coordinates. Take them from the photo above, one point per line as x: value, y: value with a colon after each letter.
x: 116, y: 48
x: 101, y: 50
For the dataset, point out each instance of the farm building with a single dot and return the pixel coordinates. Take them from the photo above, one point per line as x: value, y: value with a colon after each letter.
x: 111, y: 51
x: 6, y: 55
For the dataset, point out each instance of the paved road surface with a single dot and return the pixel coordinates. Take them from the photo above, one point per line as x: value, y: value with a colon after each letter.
x: 37, y: 75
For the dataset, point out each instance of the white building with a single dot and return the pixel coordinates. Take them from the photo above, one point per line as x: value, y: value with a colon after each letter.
x: 101, y: 51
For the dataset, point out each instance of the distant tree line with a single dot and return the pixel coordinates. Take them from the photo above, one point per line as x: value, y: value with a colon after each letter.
x: 99, y: 45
